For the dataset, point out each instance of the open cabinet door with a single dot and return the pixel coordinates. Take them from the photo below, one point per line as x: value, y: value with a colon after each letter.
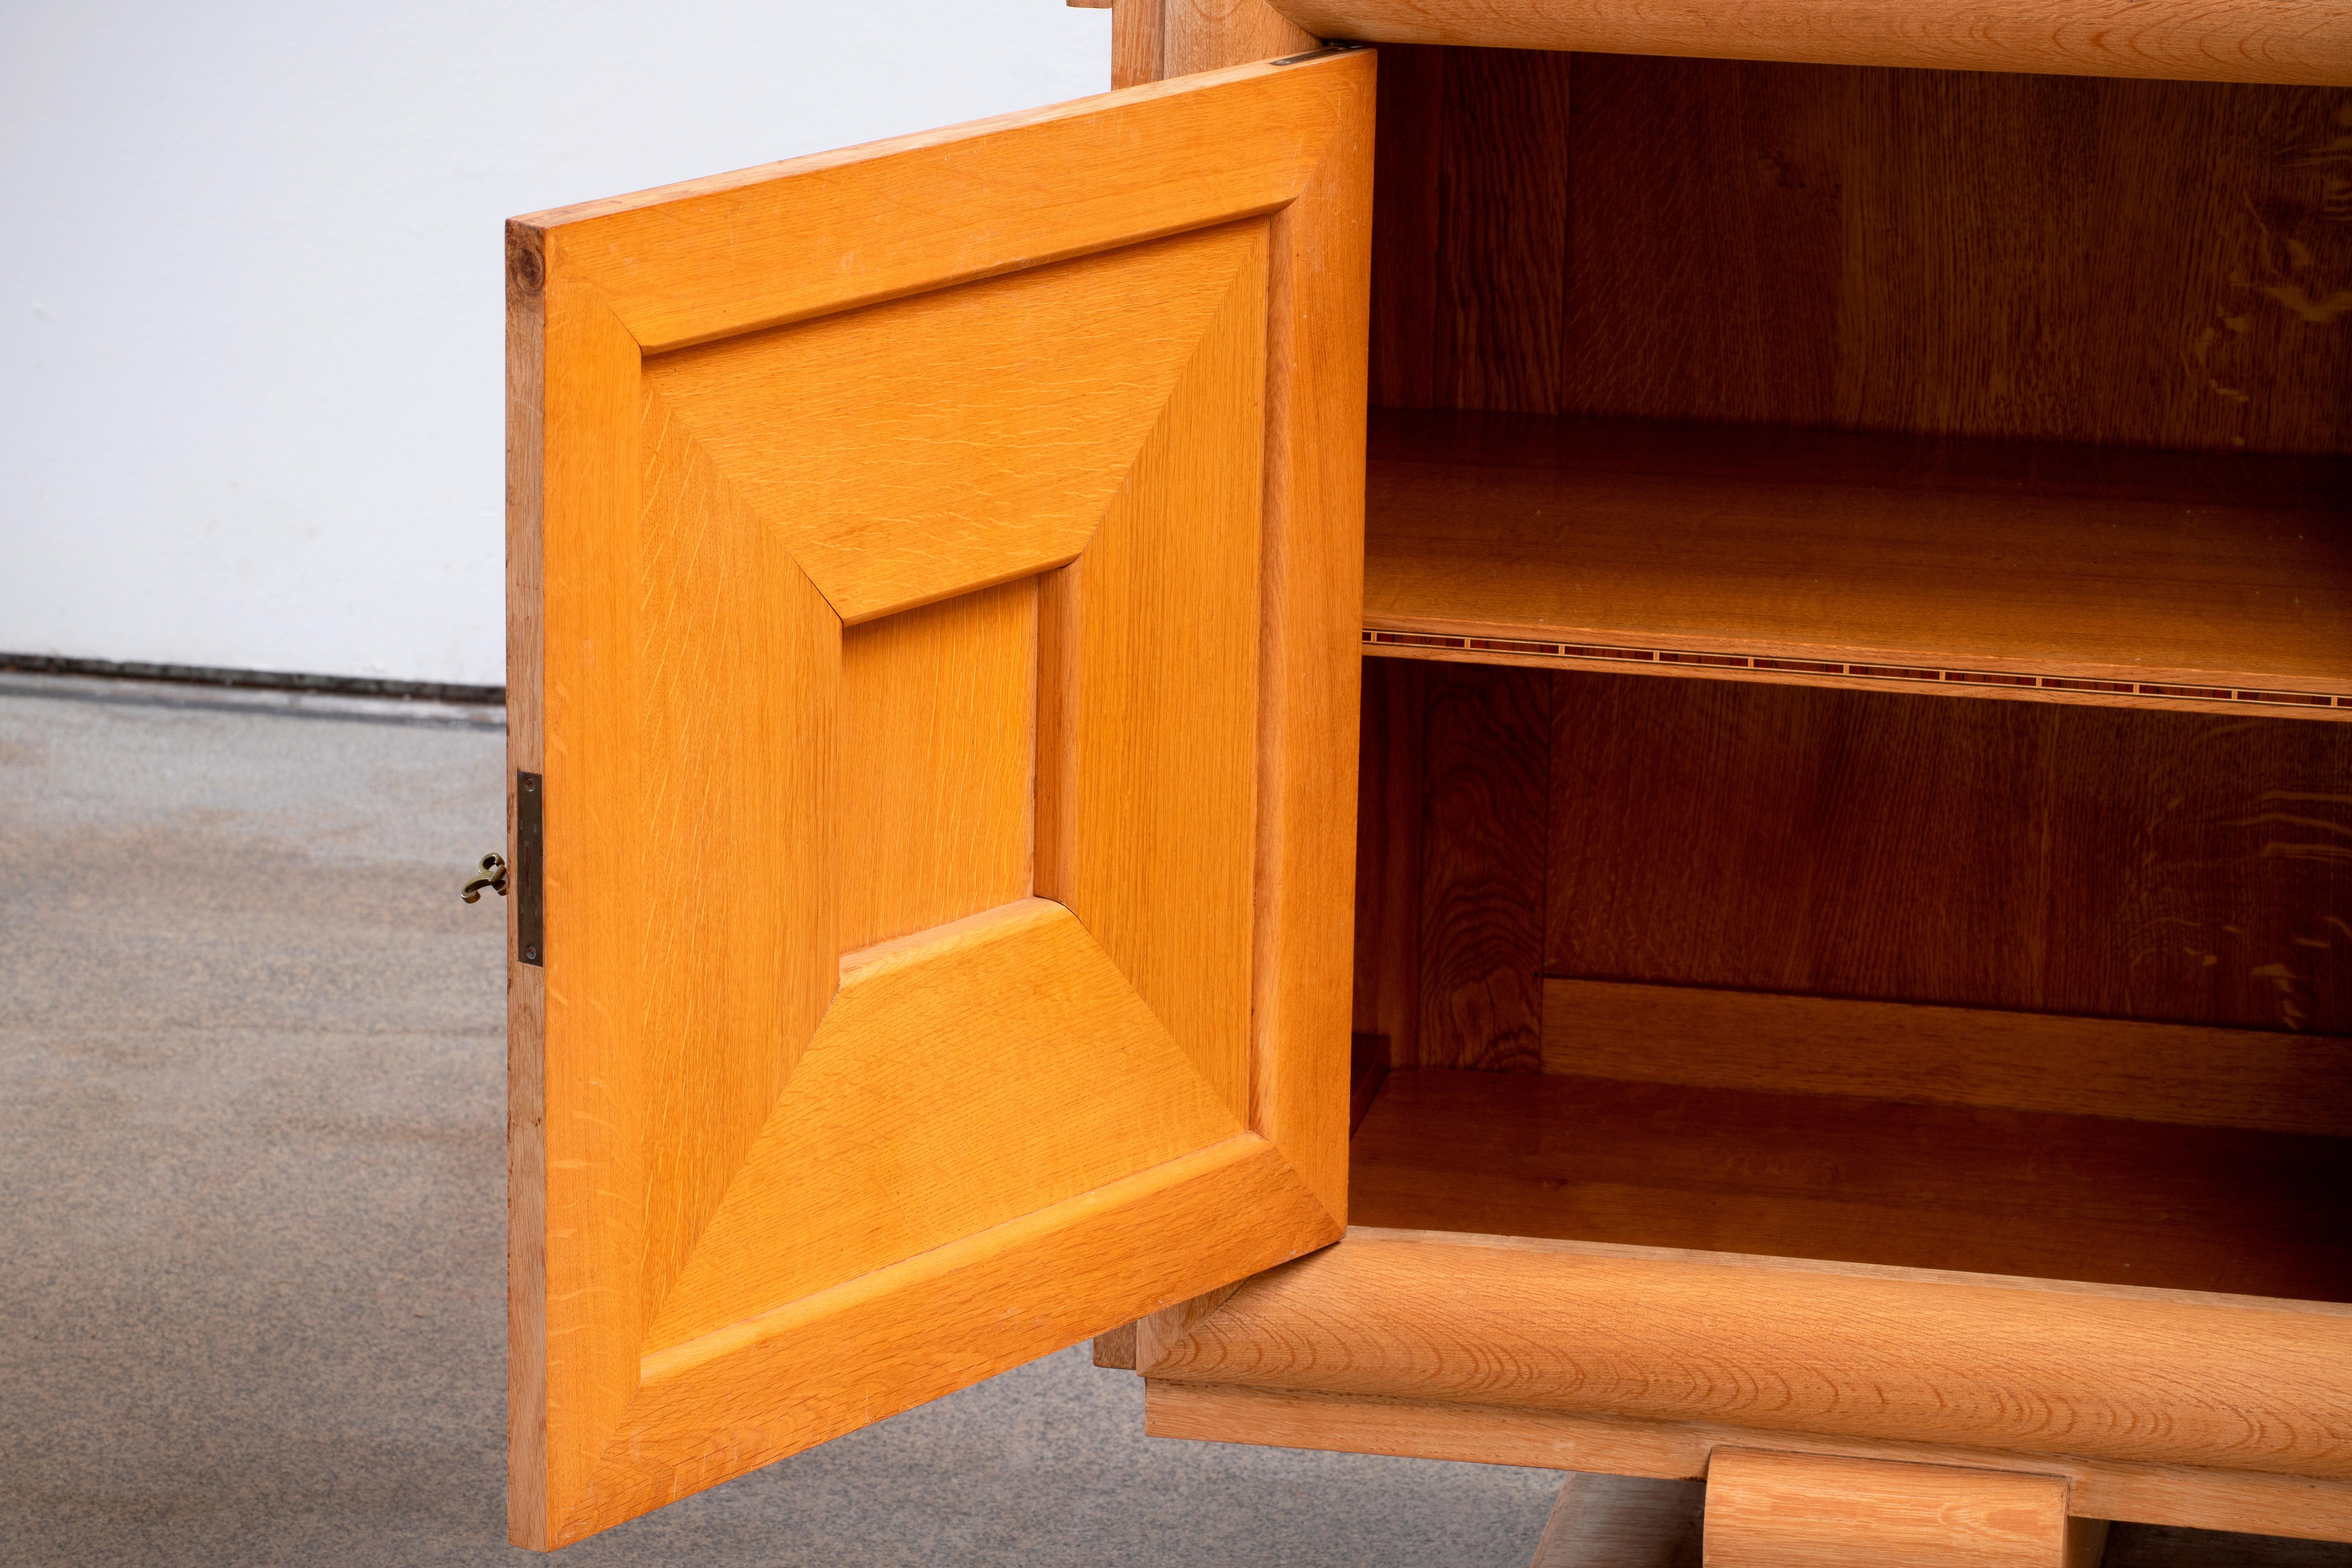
x: 935, y: 575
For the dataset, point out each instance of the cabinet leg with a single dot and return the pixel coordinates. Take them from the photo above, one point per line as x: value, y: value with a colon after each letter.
x: 1623, y: 1522
x: 1809, y: 1510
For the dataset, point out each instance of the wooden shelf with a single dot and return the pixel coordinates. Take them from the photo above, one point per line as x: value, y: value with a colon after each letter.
x: 2124, y: 577
x: 1988, y: 1190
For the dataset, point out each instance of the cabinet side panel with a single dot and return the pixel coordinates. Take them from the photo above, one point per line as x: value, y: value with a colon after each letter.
x: 1210, y: 34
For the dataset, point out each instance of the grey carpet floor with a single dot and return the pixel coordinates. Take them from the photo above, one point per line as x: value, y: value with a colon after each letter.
x: 251, y: 1218
x: 252, y: 1212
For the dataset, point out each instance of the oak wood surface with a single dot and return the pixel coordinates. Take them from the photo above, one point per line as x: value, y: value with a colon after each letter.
x: 1850, y: 550
x: 1623, y: 1522
x: 1115, y: 1348
x: 1485, y: 747
x: 936, y: 805
x: 1210, y: 34
x: 1772, y: 1509
x: 1949, y: 253
x: 1311, y: 598
x: 807, y: 1371
x: 2259, y: 1079
x: 1388, y: 857
x: 526, y: 402
x: 954, y: 1037
x: 1809, y: 1176
x: 1084, y: 355
x: 2173, y: 1496
x: 2022, y: 857
x: 680, y: 1312
x: 1154, y: 39
x: 2240, y: 40
x: 1187, y: 154
x: 2144, y: 1377
x: 1150, y: 741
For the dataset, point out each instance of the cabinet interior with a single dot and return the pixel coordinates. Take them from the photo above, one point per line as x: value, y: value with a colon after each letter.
x: 1725, y: 417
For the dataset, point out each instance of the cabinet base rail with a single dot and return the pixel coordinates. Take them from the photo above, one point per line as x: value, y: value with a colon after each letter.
x: 2155, y: 1406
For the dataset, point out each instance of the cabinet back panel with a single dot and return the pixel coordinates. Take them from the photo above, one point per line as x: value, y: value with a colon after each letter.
x: 2109, y: 862
x: 2142, y: 263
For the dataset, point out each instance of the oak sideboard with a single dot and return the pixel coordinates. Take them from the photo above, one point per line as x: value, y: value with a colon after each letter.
x: 1567, y: 733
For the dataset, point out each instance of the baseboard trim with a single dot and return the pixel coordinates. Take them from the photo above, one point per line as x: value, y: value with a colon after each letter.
x: 255, y: 679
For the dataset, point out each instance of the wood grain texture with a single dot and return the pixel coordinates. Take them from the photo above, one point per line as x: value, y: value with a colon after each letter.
x: 2259, y: 1079
x: 1623, y: 1522
x: 1008, y: 436
x: 2134, y: 1376
x: 1147, y: 772
x: 1487, y: 753
x: 966, y: 1064
x: 1805, y: 1175
x: 1311, y: 596
x: 1138, y: 42
x: 2099, y: 862
x: 1001, y: 195
x: 526, y: 394
x: 1211, y: 35
x: 807, y: 1371
x: 1768, y: 1510
x: 1959, y: 254
x: 716, y: 799
x: 937, y: 762
x: 2165, y: 1495
x: 692, y: 677
x: 1898, y: 551
x: 1388, y: 859
x: 1503, y: 232
x: 2244, y: 40
x: 1116, y: 1348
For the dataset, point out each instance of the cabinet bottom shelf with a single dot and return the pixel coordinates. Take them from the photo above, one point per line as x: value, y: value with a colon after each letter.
x: 1988, y: 1191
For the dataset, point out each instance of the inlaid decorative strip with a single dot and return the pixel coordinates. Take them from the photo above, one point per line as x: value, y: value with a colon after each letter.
x: 1581, y: 653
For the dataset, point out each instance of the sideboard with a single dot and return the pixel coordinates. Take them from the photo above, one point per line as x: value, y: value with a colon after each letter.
x: 1613, y: 737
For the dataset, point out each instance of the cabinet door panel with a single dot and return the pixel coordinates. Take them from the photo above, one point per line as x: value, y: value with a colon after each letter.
x: 934, y: 574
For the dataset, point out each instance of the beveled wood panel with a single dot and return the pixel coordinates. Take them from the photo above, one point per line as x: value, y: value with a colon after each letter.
x: 2101, y: 862
x: 1959, y: 253
x: 937, y: 762
x: 991, y: 1030
x: 1009, y: 433
x: 1148, y: 671
x: 2147, y: 1377
x: 2238, y: 40
x: 1801, y: 1176
x: 2261, y: 1079
x: 2089, y: 572
x: 748, y: 1229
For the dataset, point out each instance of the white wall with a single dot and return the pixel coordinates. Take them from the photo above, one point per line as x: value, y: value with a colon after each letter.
x: 250, y: 280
